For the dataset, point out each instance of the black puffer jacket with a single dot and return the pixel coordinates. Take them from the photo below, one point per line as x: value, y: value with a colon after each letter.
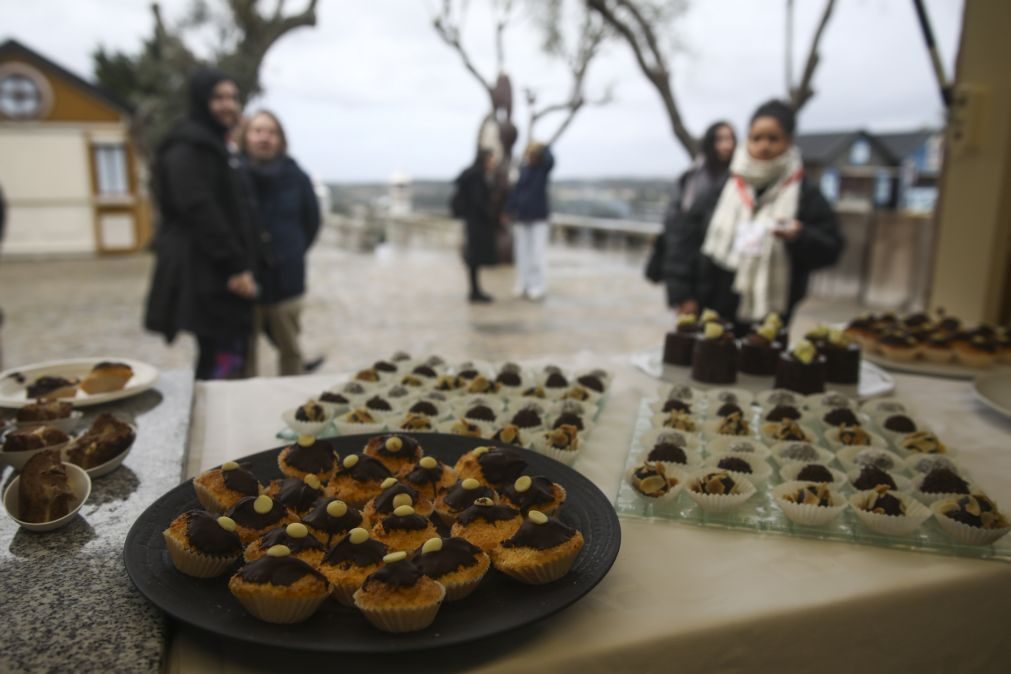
x: 691, y: 275
x: 472, y: 203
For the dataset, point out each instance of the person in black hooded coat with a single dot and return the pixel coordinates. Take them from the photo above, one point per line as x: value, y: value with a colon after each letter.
x: 206, y: 244
x: 472, y: 203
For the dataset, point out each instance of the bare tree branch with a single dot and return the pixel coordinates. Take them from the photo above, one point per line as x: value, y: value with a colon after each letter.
x: 627, y: 19
x: 802, y: 93
x: 449, y: 31
x: 505, y: 8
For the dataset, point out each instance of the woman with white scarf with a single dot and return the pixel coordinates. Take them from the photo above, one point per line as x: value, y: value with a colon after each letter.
x: 751, y: 250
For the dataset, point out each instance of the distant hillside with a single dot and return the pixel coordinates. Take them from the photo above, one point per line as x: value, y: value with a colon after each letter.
x: 642, y: 199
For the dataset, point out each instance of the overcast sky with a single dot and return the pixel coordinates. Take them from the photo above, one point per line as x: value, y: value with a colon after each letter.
x: 371, y: 89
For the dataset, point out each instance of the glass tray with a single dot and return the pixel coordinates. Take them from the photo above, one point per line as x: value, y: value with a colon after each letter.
x: 761, y: 514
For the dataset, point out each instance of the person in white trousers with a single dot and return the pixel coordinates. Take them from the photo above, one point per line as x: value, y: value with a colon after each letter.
x: 528, y: 208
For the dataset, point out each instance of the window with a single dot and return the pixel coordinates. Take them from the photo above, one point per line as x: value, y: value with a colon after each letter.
x: 110, y: 170
x: 20, y: 97
x: 830, y: 185
x: 860, y: 152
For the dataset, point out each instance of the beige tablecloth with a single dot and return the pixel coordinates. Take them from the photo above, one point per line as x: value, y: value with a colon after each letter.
x: 692, y: 599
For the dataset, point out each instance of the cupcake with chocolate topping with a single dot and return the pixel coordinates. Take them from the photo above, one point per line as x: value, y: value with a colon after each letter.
x: 461, y: 496
x: 399, y: 597
x: 840, y: 416
x: 395, y: 451
x: 718, y: 491
x: 307, y: 456
x: 529, y: 418
x: 416, y: 423
x: 562, y: 444
x: 542, y: 550
x: 978, y: 351
x: 295, y: 536
x: 350, y: 561
x: 813, y: 472
x: 279, y: 588
x: 220, y: 488
x: 297, y: 495
x: 733, y: 423
x: 428, y: 408
x: 358, y: 479
x: 256, y: 515
x: 455, y: 563
x: 898, y: 345
x: 510, y: 434
x: 429, y: 477
x: 751, y: 467
x: 331, y: 519
x: 201, y: 544
x: 358, y: 421
x: 808, y: 503
x: 940, y: 483
x: 482, y: 385
x: 403, y: 529
x: 536, y: 492
x: 396, y: 494
x: 494, y: 466
x: 486, y: 524
x: 872, y: 477
x: 888, y: 512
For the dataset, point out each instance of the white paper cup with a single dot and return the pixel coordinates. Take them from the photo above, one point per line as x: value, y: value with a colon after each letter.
x: 963, y: 533
x: 890, y: 525
x: 719, y: 503
x: 674, y: 473
x: 728, y: 444
x: 567, y: 456
x: 683, y: 392
x: 650, y: 438
x: 718, y: 396
x: 658, y: 421
x: 921, y: 464
x: 784, y: 453
x: 933, y: 497
x: 778, y: 396
x: 888, y: 406
x: 760, y: 469
x: 346, y: 427
x: 711, y: 429
x: 808, y: 515
x: 768, y: 430
x: 849, y: 458
x: 829, y: 400
x: 901, y: 483
x: 313, y: 428
x: 446, y: 427
x: 832, y: 438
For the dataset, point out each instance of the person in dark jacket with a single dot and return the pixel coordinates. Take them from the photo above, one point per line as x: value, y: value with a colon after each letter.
x: 288, y: 215
x: 750, y: 247
x: 706, y: 174
x: 206, y: 244
x: 528, y: 208
x: 472, y: 203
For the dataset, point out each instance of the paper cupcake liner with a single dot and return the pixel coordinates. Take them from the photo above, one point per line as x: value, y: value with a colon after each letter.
x: 541, y: 574
x: 832, y: 438
x: 965, y: 534
x: 824, y: 456
x: 566, y: 456
x: 710, y: 430
x: 207, y: 498
x: 767, y: 430
x: 313, y: 428
x: 673, y: 470
x: 458, y: 406
x: 930, y: 499
x: 350, y: 428
x: 720, y: 503
x: 399, y: 620
x: 761, y: 471
x: 446, y: 427
x: 460, y: 589
x: 763, y: 397
x: 808, y: 515
x: 334, y: 409
x: 883, y: 406
x: 722, y: 445
x: 902, y: 484
x: 693, y: 459
x: 649, y: 439
x: 657, y: 423
x: 744, y: 397
x: 281, y: 610
x: 197, y: 564
x: 847, y: 457
x: 890, y: 525
x: 343, y: 594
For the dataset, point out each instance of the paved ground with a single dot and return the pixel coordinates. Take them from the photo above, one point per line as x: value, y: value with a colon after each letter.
x: 360, y: 307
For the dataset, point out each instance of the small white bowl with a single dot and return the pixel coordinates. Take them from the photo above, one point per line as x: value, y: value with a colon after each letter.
x: 17, y: 460
x: 80, y: 485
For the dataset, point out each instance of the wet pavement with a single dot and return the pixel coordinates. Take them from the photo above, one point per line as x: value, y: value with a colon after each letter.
x: 359, y: 306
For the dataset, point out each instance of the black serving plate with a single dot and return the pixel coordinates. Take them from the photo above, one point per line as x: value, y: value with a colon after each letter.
x: 498, y: 605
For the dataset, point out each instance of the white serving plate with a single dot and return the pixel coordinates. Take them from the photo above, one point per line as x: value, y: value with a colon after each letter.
x: 874, y: 381
x: 13, y: 393
x: 994, y: 391
x: 925, y: 367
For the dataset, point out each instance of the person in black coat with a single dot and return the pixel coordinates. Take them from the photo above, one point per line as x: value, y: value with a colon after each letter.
x: 289, y: 218
x: 750, y: 246
x: 472, y: 203
x: 206, y: 244
x: 706, y: 174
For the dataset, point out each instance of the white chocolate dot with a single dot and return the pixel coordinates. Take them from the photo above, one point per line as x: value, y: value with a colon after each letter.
x: 431, y: 545
x: 312, y: 481
x: 394, y: 444
x: 428, y: 462
x: 470, y: 484
x: 402, y: 500
x: 403, y: 511
x: 279, y: 551
x: 336, y: 508
x: 350, y: 460
x: 357, y: 536
x: 229, y: 465
x: 537, y: 517
x: 388, y: 482
x: 226, y: 523
x: 395, y: 557
x: 263, y: 504
x: 523, y: 483
x: 306, y: 440
x: 297, y: 530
